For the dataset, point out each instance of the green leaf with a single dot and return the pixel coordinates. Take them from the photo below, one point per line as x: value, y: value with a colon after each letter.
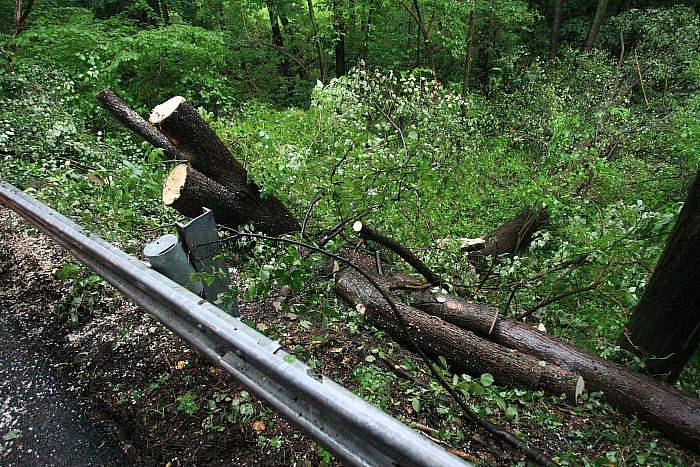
x: 486, y: 379
x: 415, y: 403
x: 12, y: 435
x: 68, y: 271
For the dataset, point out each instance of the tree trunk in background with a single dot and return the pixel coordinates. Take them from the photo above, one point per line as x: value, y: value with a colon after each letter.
x: 277, y: 36
x: 470, y: 51
x: 20, y: 17
x: 665, y: 324
x: 319, y: 53
x: 165, y: 12
x: 598, y: 18
x: 339, y: 24
x: 556, y: 26
x: 364, y: 31
x: 155, y: 5
x: 623, y: 6
x: 409, y: 33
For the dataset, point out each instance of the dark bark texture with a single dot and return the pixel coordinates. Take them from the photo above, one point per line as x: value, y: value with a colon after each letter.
x: 667, y: 409
x: 665, y: 324
x: 133, y: 121
x: 598, y: 18
x: 407, y: 255
x: 208, y: 154
x: 231, y: 209
x: 463, y: 350
x: 510, y: 237
x: 556, y: 27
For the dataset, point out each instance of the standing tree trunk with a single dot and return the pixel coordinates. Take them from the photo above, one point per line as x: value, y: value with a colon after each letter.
x: 556, y: 26
x: 339, y: 24
x: 409, y: 33
x: 277, y: 39
x: 470, y: 51
x: 665, y: 324
x: 364, y: 31
x: 165, y: 12
x: 317, y: 40
x: 20, y: 17
x: 598, y: 18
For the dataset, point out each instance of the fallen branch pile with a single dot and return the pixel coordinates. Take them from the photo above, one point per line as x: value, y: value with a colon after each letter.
x: 470, y: 336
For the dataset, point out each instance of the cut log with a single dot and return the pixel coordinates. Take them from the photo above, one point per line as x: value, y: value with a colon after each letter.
x: 511, y: 236
x: 188, y: 131
x: 464, y: 350
x: 666, y: 408
x: 137, y: 124
x: 187, y: 190
x: 407, y: 255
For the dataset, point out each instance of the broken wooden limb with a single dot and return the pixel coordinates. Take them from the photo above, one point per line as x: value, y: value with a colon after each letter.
x: 664, y: 407
x: 510, y: 237
x: 133, y: 121
x: 407, y: 255
x: 188, y: 131
x: 463, y: 350
x: 187, y: 190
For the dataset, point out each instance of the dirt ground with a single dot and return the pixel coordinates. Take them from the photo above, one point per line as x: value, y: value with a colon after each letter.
x: 165, y: 405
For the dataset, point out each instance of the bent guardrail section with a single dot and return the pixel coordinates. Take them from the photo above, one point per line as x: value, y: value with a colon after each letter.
x: 352, y: 429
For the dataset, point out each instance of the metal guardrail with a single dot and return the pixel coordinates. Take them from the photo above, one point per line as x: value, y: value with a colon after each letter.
x: 356, y: 432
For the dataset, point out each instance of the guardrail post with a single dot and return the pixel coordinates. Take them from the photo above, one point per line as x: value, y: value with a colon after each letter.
x: 167, y: 256
x: 201, y: 240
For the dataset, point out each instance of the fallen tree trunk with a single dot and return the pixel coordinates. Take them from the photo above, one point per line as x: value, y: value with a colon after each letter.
x: 187, y: 190
x: 666, y: 408
x: 181, y: 123
x: 511, y: 236
x: 137, y: 124
x: 464, y: 350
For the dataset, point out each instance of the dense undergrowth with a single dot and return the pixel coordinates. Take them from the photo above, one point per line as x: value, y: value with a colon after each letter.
x: 610, y: 157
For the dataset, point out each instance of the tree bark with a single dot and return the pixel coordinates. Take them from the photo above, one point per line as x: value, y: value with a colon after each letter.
x: 666, y: 408
x: 181, y: 123
x: 510, y: 237
x: 339, y: 24
x: 276, y: 34
x: 463, y: 350
x: 598, y: 18
x: 188, y: 191
x: 165, y: 11
x: 407, y: 255
x: 317, y: 40
x: 556, y: 26
x: 470, y: 51
x: 138, y: 124
x: 665, y: 324
x: 20, y: 17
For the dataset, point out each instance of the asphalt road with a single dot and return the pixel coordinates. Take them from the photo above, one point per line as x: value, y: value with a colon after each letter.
x: 41, y: 422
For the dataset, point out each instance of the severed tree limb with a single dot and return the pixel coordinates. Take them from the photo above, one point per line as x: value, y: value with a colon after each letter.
x: 133, y: 121
x: 464, y: 350
x: 667, y: 409
x: 497, y: 431
x: 407, y: 255
x: 511, y: 236
x: 188, y: 131
x: 187, y: 190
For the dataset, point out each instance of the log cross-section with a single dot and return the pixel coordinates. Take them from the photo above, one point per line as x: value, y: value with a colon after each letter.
x: 208, y: 155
